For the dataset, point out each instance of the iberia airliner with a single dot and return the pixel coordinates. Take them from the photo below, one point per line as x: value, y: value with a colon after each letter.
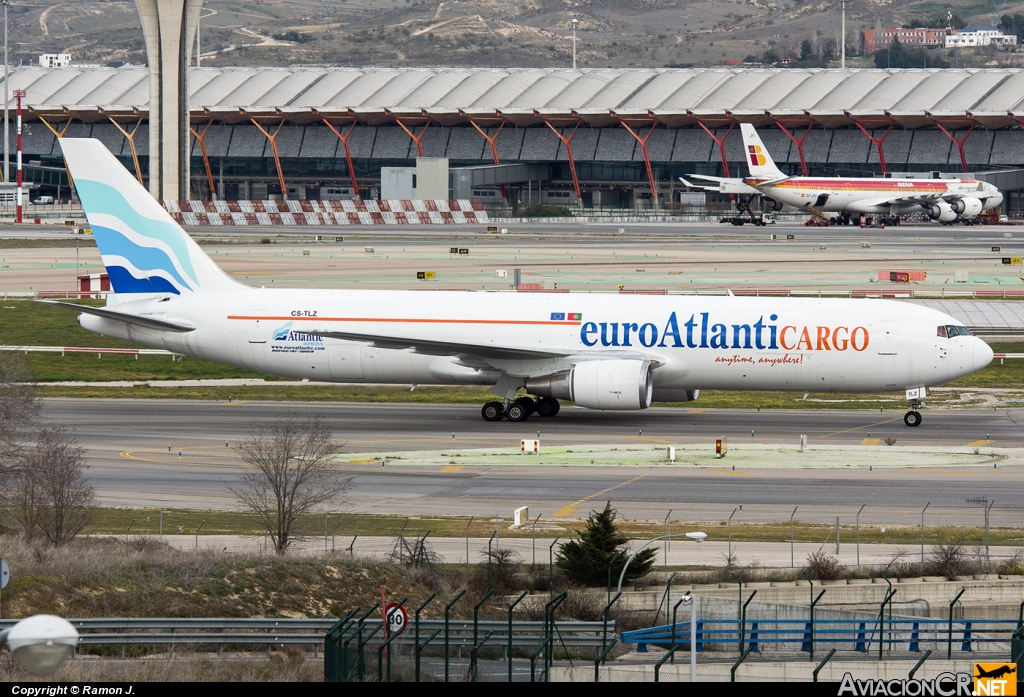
x: 944, y: 200
x: 610, y: 352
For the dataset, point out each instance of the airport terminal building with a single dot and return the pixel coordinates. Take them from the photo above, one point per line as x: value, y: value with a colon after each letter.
x: 602, y: 138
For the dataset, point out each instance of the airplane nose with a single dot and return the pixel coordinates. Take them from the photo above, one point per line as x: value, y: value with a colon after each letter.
x: 982, y: 354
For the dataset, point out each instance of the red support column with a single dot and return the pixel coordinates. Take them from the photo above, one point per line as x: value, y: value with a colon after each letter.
x: 273, y: 146
x: 877, y: 141
x: 348, y: 154
x: 201, y: 137
x: 19, y: 94
x: 568, y: 152
x: 492, y: 141
x: 959, y: 143
x: 799, y: 142
x: 418, y: 139
x: 720, y: 142
x: 647, y: 158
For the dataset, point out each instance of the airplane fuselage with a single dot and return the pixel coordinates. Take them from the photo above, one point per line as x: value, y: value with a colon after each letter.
x: 731, y: 343
x: 875, y: 195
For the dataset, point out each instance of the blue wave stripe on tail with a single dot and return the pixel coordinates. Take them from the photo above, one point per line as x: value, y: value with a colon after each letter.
x: 113, y: 243
x: 98, y: 197
x: 123, y: 282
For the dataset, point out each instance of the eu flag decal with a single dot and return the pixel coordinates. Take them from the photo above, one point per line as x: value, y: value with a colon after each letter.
x: 557, y: 316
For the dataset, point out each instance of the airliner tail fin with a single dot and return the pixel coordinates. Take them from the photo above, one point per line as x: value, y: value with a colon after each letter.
x: 143, y: 248
x: 760, y: 162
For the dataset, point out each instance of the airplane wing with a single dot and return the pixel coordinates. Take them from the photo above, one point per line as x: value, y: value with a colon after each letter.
x: 493, y: 352
x: 444, y: 348
x: 127, y: 318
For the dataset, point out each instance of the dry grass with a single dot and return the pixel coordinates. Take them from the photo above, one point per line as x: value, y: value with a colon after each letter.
x: 108, y: 578
x: 291, y: 666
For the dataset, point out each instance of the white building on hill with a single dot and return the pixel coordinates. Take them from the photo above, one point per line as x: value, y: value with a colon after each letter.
x: 980, y: 35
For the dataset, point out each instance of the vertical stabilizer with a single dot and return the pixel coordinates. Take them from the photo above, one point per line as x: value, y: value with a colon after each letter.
x: 144, y: 250
x: 760, y: 162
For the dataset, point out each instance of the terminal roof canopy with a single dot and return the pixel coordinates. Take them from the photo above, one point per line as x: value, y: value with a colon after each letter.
x: 993, y: 98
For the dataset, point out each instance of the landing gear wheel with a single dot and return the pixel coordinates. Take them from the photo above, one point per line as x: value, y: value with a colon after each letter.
x: 548, y: 406
x: 493, y: 411
x: 912, y: 418
x: 528, y: 404
x: 517, y: 412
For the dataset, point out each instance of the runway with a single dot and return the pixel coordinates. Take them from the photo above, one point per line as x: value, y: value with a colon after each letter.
x: 133, y: 448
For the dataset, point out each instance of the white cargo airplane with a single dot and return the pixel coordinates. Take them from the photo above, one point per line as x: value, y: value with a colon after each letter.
x: 610, y: 352
x: 944, y: 200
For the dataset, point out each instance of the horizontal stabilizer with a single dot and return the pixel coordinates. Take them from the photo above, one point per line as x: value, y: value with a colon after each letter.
x: 137, y: 320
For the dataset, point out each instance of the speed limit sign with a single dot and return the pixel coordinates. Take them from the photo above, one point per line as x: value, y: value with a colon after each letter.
x: 397, y: 618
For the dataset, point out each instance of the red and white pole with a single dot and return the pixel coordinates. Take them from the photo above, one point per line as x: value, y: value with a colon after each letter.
x: 19, y: 94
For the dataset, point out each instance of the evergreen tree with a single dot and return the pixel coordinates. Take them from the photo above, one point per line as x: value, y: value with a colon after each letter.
x: 585, y: 560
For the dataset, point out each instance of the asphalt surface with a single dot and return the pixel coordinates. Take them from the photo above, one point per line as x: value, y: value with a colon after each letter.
x: 133, y: 450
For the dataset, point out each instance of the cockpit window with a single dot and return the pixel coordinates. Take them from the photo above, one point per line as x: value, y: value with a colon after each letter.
x: 951, y: 330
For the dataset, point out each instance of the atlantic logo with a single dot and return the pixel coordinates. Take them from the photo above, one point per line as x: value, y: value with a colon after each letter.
x: 287, y: 341
x: 700, y: 332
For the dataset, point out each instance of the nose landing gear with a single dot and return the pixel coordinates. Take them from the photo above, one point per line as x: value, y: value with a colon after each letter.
x: 912, y: 418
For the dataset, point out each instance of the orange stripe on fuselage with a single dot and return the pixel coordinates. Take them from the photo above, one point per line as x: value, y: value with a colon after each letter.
x: 403, y: 320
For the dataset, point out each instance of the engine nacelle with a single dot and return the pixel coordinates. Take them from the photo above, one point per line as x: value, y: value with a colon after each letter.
x: 941, y: 211
x: 625, y: 384
x: 773, y: 204
x: 675, y: 395
x: 966, y: 207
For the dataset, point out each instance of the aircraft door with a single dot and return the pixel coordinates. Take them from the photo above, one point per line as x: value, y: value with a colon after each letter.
x: 259, y: 337
x: 345, y: 360
x: 821, y: 200
x: 888, y: 338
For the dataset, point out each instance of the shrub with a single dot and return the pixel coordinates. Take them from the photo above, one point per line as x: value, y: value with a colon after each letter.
x: 538, y: 210
x: 824, y: 567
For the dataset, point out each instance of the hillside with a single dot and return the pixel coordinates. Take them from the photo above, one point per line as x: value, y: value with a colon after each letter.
x: 486, y: 33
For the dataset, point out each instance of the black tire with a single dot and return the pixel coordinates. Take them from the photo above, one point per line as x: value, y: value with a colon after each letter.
x: 548, y: 406
x: 517, y: 412
x: 493, y: 411
x: 912, y: 419
x: 528, y: 404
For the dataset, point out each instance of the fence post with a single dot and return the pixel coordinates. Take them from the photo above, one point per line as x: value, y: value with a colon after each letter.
x: 551, y: 568
x: 743, y: 621
x: 549, y: 627
x: 919, y: 663
x: 675, y: 609
x: 512, y: 607
x: 657, y: 666
x: 607, y: 613
x: 476, y: 621
x: 600, y: 660
x: 447, y: 612
x: 881, y: 619
x: 821, y: 665
x: 732, y: 671
x: 949, y: 636
x: 418, y: 610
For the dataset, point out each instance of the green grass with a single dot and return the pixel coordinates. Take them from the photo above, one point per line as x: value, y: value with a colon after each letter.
x: 115, y: 521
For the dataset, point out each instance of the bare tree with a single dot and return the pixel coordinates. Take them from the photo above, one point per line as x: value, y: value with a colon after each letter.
x: 291, y: 474
x: 47, y: 492
x: 19, y: 411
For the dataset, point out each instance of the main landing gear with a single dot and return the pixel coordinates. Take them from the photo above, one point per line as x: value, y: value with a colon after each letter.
x: 520, y: 409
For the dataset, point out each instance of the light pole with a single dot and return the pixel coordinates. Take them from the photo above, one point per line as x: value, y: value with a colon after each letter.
x: 692, y: 600
x: 7, y: 98
x: 792, y: 563
x: 858, y: 533
x: 842, y: 40
x: 575, y: 23
x: 695, y: 536
x: 730, y: 534
x: 922, y: 532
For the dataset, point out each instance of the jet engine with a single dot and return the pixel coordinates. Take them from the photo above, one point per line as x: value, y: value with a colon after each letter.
x: 617, y: 384
x: 942, y: 212
x: 966, y: 207
x: 675, y: 395
x: 773, y: 204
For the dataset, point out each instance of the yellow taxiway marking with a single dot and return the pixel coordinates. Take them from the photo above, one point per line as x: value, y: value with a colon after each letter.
x: 566, y: 511
x: 979, y: 443
x: 450, y: 468
x: 729, y: 471
x: 130, y: 455
x: 696, y: 411
x: 871, y: 441
x: 858, y: 428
